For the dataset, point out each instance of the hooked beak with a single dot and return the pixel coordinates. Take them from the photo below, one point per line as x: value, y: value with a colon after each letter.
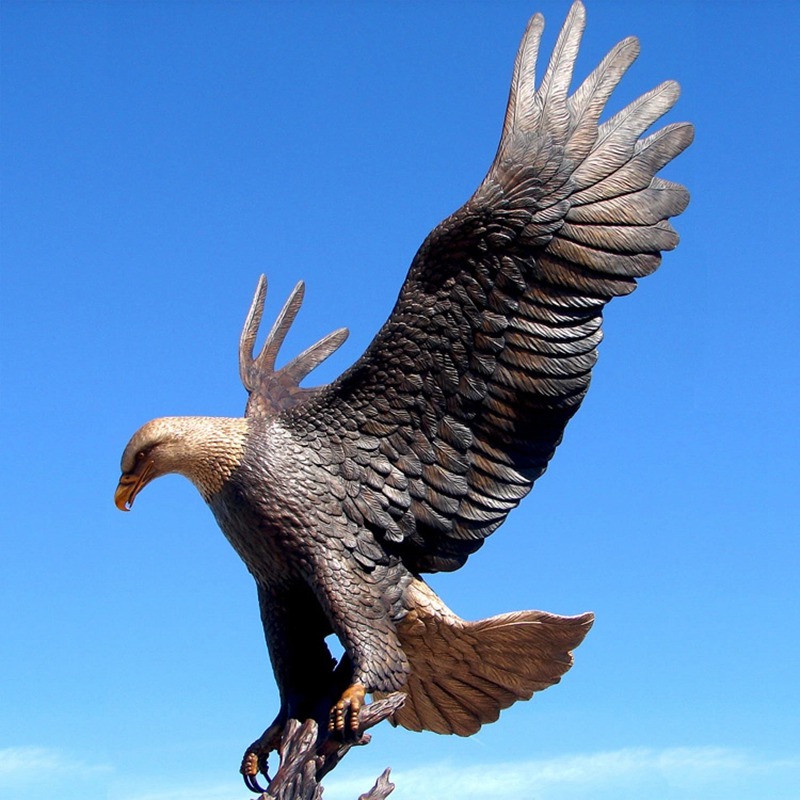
x: 130, y: 484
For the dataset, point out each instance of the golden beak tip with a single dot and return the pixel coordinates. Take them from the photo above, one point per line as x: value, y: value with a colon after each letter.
x: 121, y: 498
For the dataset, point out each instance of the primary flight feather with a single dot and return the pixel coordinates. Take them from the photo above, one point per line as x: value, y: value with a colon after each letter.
x: 338, y: 498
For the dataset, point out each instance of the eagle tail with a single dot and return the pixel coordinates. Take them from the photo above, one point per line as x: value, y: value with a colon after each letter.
x: 463, y: 674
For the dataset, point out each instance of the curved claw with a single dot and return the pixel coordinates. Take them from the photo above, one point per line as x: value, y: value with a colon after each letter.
x: 256, y: 757
x: 251, y: 782
x: 344, y: 716
x: 251, y: 766
x: 253, y: 785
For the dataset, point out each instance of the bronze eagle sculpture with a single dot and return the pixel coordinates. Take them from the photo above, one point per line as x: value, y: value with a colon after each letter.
x: 338, y: 498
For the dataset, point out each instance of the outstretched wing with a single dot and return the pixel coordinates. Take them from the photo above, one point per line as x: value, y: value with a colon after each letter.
x: 274, y: 390
x: 457, y: 406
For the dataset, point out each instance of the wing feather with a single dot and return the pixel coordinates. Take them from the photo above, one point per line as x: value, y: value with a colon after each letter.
x: 457, y: 406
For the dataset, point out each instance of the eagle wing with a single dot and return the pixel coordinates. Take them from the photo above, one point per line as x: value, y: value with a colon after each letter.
x: 460, y: 401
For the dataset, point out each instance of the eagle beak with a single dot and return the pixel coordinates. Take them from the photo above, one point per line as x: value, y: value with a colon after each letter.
x: 130, y: 484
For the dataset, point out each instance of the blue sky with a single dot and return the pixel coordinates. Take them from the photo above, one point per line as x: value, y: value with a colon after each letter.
x: 156, y: 157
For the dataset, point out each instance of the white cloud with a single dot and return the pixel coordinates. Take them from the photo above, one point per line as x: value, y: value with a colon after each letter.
x: 23, y: 765
x: 673, y: 769
x: 191, y: 792
x: 681, y: 772
x: 29, y: 768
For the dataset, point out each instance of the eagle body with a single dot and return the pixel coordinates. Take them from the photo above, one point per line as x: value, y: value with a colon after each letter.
x: 310, y: 562
x: 339, y: 498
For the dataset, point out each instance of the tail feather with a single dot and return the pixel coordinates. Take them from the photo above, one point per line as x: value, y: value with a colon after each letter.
x: 463, y: 674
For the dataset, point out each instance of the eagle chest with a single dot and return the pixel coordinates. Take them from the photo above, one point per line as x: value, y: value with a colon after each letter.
x: 269, y: 534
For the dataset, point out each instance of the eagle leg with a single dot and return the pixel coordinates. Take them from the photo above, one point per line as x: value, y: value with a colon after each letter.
x: 344, y: 716
x: 255, y: 759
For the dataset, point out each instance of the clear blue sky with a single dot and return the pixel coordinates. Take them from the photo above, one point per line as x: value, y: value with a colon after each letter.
x: 156, y: 157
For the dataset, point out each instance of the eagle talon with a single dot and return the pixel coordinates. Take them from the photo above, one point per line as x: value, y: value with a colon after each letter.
x: 252, y: 764
x: 344, y: 717
x: 251, y: 782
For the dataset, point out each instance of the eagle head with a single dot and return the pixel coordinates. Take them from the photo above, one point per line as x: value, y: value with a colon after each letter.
x: 206, y: 450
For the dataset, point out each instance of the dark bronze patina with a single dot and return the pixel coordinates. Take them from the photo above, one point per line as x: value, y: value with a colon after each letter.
x: 338, y: 498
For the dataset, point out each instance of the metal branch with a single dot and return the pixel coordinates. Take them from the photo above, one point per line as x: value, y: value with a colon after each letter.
x: 308, y: 754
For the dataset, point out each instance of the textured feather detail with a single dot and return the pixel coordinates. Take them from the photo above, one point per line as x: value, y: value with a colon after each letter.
x: 274, y: 390
x: 490, y: 347
x: 463, y: 674
x: 523, y: 80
